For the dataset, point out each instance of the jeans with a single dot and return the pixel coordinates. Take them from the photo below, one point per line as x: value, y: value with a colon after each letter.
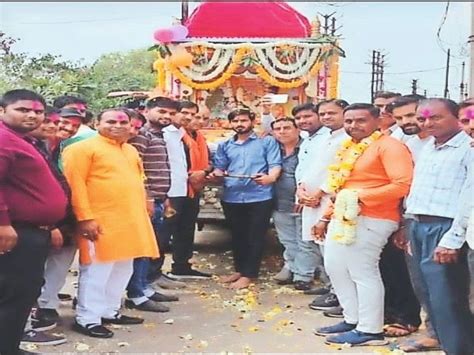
x: 21, y: 278
x: 162, y: 239
x: 138, y: 286
x: 183, y: 234
x: 249, y: 223
x: 445, y: 286
x: 401, y: 304
x: 299, y: 255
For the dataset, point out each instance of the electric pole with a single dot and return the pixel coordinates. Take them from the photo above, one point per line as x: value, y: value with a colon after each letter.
x: 446, y: 80
x: 414, y: 86
x: 184, y: 11
x: 471, y: 47
x: 329, y: 25
x: 378, y: 65
x: 462, y: 86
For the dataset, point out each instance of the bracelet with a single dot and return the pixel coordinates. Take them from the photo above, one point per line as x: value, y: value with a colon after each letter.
x: 324, y: 220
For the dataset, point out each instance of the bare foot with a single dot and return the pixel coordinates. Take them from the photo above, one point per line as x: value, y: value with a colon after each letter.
x: 230, y: 278
x: 243, y: 282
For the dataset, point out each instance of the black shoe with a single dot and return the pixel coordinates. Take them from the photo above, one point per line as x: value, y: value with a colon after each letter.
x: 324, y: 302
x: 40, y: 325
x: 46, y: 314
x: 318, y: 291
x: 93, y: 330
x: 159, y: 297
x: 335, y: 312
x: 303, y: 285
x: 288, y: 281
x: 147, y: 306
x: 123, y: 319
x: 65, y: 297
x: 188, y: 274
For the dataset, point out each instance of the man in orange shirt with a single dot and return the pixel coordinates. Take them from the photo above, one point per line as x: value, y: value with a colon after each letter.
x: 377, y: 170
x: 106, y: 178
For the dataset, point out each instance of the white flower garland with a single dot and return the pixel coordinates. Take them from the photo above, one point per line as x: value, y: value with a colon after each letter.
x: 298, y: 70
x: 224, y: 61
x: 343, y: 225
x: 290, y: 67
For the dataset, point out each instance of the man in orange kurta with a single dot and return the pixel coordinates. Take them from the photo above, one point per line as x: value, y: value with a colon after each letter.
x: 108, y: 198
x: 382, y: 176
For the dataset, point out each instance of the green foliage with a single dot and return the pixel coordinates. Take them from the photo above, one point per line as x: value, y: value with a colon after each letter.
x: 52, y: 76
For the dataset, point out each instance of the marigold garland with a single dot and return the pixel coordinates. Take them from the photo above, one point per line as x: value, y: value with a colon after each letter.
x: 233, y: 66
x: 346, y: 207
x: 346, y: 158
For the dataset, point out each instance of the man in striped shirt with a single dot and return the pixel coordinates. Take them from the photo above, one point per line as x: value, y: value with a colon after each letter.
x: 152, y: 148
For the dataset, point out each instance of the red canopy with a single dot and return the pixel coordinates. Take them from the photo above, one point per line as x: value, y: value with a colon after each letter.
x: 247, y: 20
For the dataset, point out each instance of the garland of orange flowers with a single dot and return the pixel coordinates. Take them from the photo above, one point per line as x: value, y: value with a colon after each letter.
x: 334, y: 77
x: 287, y: 84
x: 346, y: 158
x: 231, y: 69
x: 159, y: 67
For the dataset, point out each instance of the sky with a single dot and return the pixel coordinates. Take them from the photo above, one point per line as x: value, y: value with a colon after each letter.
x: 405, y: 32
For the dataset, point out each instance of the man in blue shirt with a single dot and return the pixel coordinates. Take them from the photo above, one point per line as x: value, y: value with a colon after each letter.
x: 250, y: 165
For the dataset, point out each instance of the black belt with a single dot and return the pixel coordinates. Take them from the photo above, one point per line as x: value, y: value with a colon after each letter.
x: 423, y: 218
x: 32, y: 225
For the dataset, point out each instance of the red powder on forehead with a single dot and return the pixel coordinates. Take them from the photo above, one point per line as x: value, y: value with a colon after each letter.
x: 426, y: 112
x: 54, y: 117
x: 37, y: 106
x: 137, y: 123
x: 470, y: 113
x: 120, y: 116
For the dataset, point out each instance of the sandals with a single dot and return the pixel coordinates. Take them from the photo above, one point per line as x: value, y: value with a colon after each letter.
x: 415, y: 345
x: 398, y: 330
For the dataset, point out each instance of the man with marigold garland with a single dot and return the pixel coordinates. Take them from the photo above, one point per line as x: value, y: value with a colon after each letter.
x: 370, y: 176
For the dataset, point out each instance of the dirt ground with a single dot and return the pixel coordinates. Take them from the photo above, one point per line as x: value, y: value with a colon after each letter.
x: 211, y: 318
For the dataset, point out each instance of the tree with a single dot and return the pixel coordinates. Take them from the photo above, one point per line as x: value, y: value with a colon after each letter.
x: 51, y: 76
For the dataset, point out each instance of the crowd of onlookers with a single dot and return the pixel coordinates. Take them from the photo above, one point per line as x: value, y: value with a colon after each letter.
x: 374, y: 201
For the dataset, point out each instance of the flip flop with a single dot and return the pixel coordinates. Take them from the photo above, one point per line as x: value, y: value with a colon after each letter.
x: 406, y: 329
x: 413, y: 346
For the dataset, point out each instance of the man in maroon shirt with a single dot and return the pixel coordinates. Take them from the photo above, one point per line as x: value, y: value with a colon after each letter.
x: 31, y: 203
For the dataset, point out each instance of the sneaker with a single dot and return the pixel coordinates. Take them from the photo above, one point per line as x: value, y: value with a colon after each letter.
x: 335, y: 312
x: 147, y: 306
x: 318, y: 291
x: 324, y: 302
x: 189, y: 274
x: 284, y: 275
x: 335, y: 329
x: 41, y: 325
x: 159, y: 297
x: 46, y: 314
x: 39, y: 338
x: 303, y: 285
x: 357, y: 338
x: 168, y: 283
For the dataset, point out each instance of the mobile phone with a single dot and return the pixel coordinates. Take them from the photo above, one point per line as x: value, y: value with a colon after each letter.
x: 277, y: 98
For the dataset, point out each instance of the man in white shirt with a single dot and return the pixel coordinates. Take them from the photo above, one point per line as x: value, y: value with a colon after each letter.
x: 441, y: 172
x: 309, y: 257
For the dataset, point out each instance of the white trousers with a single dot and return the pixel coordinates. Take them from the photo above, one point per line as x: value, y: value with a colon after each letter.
x: 355, y: 274
x: 101, y: 287
x: 55, y: 272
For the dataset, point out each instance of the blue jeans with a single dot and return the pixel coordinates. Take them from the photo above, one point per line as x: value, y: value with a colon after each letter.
x: 139, y: 281
x: 445, y: 287
x: 299, y: 255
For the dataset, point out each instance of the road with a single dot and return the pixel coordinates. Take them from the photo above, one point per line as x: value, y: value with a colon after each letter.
x: 211, y: 318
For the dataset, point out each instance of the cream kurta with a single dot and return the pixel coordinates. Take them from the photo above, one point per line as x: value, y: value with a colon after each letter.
x: 106, y: 180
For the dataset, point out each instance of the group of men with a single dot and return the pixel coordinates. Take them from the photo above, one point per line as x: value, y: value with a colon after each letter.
x: 374, y: 200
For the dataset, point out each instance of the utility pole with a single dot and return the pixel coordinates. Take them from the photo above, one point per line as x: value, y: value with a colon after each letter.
x: 414, y: 86
x: 184, y: 11
x: 446, y: 80
x: 378, y: 66
x: 462, y: 86
x: 471, y: 47
x: 328, y: 27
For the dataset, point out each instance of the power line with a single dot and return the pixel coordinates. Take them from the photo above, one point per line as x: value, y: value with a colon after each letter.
x: 396, y: 73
